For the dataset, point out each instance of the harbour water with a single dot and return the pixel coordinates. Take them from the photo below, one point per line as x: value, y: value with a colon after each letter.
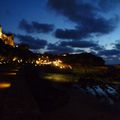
x: 105, y: 92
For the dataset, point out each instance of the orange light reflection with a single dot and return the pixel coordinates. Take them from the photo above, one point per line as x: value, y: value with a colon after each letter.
x: 5, y: 85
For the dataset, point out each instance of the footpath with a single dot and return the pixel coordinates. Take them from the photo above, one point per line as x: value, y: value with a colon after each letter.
x: 16, y: 102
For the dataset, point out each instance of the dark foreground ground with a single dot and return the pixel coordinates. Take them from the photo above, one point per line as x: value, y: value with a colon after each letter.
x: 32, y: 98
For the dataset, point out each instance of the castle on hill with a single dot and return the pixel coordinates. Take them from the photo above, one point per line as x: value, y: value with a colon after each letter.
x: 8, y: 39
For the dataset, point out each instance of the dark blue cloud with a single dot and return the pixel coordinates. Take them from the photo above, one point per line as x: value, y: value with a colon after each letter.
x: 58, y: 49
x: 73, y: 46
x: 108, y: 5
x: 98, y: 48
x: 35, y: 27
x: 79, y: 44
x: 111, y: 52
x: 70, y: 34
x: 32, y: 42
x: 117, y: 45
x: 73, y: 10
x: 110, y: 56
x: 85, y: 15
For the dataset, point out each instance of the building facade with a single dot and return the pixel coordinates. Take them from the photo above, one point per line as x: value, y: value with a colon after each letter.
x: 8, y: 39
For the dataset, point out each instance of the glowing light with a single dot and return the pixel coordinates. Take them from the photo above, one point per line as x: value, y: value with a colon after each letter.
x: 6, y: 39
x: 21, y: 60
x: 4, y: 85
x: 58, y: 77
x: 64, y: 55
x: 0, y: 35
x: 56, y: 63
x: 37, y: 62
x: 16, y: 46
x: 61, y: 67
x: 14, y: 59
x: 0, y: 32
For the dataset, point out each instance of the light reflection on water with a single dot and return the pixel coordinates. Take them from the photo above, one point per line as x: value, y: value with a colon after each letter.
x: 59, y: 77
x: 108, y: 94
x: 8, y: 73
x: 69, y: 77
x: 5, y: 85
x: 104, y: 92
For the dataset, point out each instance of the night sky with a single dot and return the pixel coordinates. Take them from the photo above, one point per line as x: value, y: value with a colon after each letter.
x: 65, y: 26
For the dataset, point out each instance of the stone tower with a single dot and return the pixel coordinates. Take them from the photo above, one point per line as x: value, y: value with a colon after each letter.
x: 6, y: 38
x: 0, y: 31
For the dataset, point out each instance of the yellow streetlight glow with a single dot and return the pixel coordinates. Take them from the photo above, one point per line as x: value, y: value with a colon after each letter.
x: 4, y: 85
x: 57, y: 63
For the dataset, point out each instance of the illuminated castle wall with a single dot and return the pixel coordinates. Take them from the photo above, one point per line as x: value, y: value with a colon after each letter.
x: 7, y: 38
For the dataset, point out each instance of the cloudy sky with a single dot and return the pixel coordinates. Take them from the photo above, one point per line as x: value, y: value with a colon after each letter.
x: 65, y: 26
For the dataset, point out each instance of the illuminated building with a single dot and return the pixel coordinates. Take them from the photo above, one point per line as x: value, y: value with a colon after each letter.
x: 6, y: 38
x: 56, y: 63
